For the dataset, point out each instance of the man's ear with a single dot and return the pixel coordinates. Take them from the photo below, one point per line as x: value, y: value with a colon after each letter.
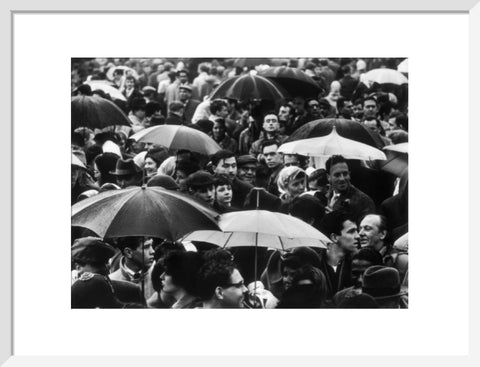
x: 219, y: 293
x: 383, y: 234
x: 333, y: 237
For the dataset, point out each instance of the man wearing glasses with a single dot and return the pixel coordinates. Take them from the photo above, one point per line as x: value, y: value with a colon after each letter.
x: 220, y: 284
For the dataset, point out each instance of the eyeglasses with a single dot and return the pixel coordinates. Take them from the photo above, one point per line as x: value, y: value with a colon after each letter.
x: 314, y: 105
x: 239, y: 285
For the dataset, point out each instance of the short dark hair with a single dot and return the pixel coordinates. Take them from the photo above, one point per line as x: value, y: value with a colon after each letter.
x: 183, y: 268
x: 332, y: 223
x: 221, y: 154
x: 132, y: 242
x: 187, y: 167
x: 267, y: 143
x: 221, y: 180
x: 369, y: 98
x: 216, y: 105
x: 151, y: 108
x: 269, y: 113
x: 306, y: 207
x: 333, y: 160
x: 215, y: 271
x: 346, y: 69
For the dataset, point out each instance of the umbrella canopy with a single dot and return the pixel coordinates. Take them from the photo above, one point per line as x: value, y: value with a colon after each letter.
x: 77, y: 162
x: 178, y: 137
x: 346, y: 128
x: 126, y: 70
x: 143, y: 211
x: 294, y: 80
x: 261, y: 228
x: 251, y: 62
x: 397, y: 159
x: 385, y: 76
x: 332, y: 144
x: 249, y: 87
x: 106, y: 87
x: 403, y: 66
x: 96, y: 112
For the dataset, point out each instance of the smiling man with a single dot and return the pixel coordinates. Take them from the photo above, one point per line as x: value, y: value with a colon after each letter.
x: 342, y: 194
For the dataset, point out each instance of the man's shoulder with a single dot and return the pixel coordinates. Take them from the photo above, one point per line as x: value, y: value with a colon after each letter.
x: 117, y: 275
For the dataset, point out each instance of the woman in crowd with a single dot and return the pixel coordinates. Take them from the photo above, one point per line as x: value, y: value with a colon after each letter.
x: 291, y: 183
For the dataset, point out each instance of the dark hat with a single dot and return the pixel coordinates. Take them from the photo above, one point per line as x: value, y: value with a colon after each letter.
x: 175, y: 106
x: 94, y: 291
x: 186, y: 87
x: 125, y: 167
x: 200, y: 178
x: 163, y: 181
x: 381, y: 282
x: 246, y: 159
x: 92, y: 250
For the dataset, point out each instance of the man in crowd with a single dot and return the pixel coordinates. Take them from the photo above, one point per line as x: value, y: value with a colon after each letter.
x: 218, y: 109
x: 224, y: 163
x: 220, y: 284
x: 136, y: 263
x: 246, y: 168
x: 127, y: 173
x: 285, y: 118
x: 201, y: 185
x: 383, y: 284
x: 274, y: 161
x: 271, y: 130
x: 373, y: 232
x: 175, y: 113
x: 343, y: 195
x: 190, y: 105
x: 90, y: 256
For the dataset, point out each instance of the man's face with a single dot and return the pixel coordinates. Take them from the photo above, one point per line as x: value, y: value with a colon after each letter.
x: 291, y: 160
x: 270, y: 124
x: 339, y: 177
x: 349, y: 237
x: 299, y: 105
x: 313, y: 108
x: 183, y: 78
x: 246, y: 173
x: 205, y: 193
x: 222, y: 112
x: 184, y: 94
x: 128, y: 180
x: 358, y: 269
x: 129, y: 83
x: 233, y: 295
x: 370, y: 234
x: 143, y: 254
x: 284, y: 113
x: 272, y: 158
x: 323, y: 110
x: 227, y: 167
x: 357, y: 111
x: 369, y: 110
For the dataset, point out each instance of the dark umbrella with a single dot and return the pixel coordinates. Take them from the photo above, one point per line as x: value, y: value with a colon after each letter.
x: 249, y: 87
x: 251, y: 62
x: 143, y: 211
x: 294, y: 80
x: 346, y: 128
x: 96, y: 112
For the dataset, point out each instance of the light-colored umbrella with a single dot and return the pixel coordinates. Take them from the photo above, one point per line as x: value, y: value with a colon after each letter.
x: 126, y: 70
x: 403, y: 66
x: 332, y: 144
x: 385, y: 76
x: 107, y: 88
x: 261, y: 228
x: 77, y: 162
x: 178, y: 137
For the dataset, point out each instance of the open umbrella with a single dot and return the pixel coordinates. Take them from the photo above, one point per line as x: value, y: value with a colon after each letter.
x: 294, y: 80
x: 107, y: 88
x: 387, y: 80
x: 143, y: 211
x: 249, y: 87
x: 77, y: 162
x: 96, y: 112
x: 250, y: 62
x: 397, y: 159
x: 178, y: 137
x: 346, y: 128
x: 332, y: 144
x: 126, y: 70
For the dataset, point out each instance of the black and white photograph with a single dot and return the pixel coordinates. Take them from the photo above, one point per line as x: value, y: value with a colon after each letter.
x: 272, y: 183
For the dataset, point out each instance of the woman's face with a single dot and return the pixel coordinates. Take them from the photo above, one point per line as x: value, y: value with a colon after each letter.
x: 129, y: 83
x: 218, y: 131
x: 296, y: 187
x: 150, y: 167
x: 223, y: 194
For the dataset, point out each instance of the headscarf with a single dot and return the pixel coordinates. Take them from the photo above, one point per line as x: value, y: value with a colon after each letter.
x: 287, y: 175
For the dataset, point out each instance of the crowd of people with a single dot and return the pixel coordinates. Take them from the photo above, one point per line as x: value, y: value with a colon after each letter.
x: 360, y: 208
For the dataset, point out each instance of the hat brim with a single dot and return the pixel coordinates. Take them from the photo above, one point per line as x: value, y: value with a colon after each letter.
x: 401, y: 293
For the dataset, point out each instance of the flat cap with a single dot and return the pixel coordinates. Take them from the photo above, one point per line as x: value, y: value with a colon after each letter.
x: 246, y: 159
x: 92, y: 250
x: 200, y: 178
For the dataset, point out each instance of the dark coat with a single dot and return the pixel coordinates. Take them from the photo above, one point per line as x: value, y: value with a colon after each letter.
x: 190, y: 108
x: 173, y: 120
